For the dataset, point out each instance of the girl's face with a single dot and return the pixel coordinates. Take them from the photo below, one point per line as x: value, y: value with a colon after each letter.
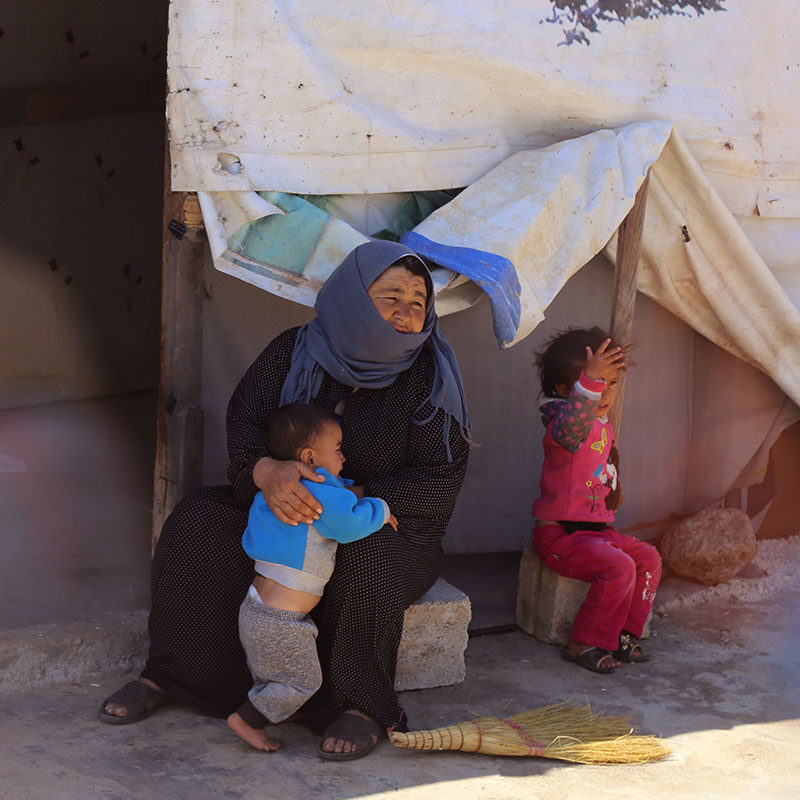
x: 607, y: 399
x: 609, y: 396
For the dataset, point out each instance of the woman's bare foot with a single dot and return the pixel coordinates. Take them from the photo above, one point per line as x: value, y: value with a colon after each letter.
x: 334, y: 745
x: 255, y: 737
x: 119, y: 710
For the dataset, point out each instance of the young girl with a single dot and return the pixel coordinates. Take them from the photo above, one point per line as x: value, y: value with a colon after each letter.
x: 574, y: 533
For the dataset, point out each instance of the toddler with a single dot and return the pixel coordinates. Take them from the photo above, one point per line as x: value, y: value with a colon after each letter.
x: 293, y: 564
x: 574, y: 533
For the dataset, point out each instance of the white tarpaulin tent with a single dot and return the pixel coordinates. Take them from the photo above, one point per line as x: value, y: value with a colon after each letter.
x: 550, y: 134
x: 350, y: 97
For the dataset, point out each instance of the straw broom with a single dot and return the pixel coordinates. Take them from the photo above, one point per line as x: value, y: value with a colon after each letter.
x: 563, y: 731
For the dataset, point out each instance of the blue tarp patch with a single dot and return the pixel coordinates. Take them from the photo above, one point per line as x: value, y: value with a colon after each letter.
x: 495, y: 274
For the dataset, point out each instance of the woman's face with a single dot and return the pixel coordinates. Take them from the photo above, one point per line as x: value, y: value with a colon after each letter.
x: 400, y: 297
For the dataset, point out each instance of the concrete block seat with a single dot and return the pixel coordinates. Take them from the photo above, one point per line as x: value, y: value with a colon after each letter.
x: 548, y: 602
x: 434, y: 639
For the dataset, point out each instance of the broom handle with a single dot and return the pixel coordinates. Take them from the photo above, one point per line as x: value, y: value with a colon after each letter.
x: 629, y: 240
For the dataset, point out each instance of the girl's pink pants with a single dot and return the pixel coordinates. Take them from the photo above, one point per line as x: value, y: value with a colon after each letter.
x: 623, y: 571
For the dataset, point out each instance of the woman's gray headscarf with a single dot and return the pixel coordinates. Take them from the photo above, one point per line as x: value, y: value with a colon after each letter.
x: 351, y: 341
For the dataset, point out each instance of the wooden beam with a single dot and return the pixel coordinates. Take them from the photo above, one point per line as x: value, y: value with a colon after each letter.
x: 629, y: 240
x: 179, y: 430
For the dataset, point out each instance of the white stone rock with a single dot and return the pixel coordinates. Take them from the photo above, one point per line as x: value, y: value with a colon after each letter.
x: 711, y: 546
x: 434, y: 639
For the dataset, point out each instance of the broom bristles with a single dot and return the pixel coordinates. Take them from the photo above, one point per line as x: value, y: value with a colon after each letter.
x: 562, y: 731
x: 627, y: 749
x: 566, y: 719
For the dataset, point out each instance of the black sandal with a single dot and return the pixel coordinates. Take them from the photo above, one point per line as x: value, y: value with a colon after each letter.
x: 629, y: 650
x: 364, y: 733
x: 140, y: 699
x: 591, y: 658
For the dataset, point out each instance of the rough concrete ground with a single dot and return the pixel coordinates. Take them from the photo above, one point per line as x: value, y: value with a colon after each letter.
x: 722, y: 691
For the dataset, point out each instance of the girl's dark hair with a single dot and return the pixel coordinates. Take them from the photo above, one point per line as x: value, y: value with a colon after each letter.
x: 295, y: 426
x: 416, y: 267
x: 565, y: 355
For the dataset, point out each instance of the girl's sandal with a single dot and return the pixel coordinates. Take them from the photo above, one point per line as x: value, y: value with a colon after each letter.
x: 591, y: 658
x: 629, y: 650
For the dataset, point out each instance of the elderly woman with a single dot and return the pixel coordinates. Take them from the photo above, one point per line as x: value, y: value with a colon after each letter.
x: 375, y: 356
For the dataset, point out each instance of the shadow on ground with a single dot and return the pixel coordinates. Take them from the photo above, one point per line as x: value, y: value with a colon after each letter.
x: 721, y: 691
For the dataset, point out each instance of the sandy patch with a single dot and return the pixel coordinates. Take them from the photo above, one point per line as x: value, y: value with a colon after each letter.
x: 775, y: 567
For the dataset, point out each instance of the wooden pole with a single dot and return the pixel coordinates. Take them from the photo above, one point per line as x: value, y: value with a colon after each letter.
x: 629, y: 240
x: 179, y: 429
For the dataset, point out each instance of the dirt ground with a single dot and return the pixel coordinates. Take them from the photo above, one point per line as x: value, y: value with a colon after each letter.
x: 722, y: 692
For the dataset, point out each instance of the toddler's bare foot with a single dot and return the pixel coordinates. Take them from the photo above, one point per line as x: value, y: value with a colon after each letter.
x: 255, y: 737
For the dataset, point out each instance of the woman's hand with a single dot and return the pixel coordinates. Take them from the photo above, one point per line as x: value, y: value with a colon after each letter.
x: 605, y: 363
x: 288, y: 499
x: 392, y: 522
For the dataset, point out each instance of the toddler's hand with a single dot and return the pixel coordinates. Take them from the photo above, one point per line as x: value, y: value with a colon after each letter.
x: 392, y: 521
x: 605, y: 363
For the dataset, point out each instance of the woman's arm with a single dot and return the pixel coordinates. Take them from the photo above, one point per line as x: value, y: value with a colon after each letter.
x: 250, y: 408
x: 286, y: 496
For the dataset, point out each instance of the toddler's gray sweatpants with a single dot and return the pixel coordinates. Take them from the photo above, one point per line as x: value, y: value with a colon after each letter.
x: 281, y: 650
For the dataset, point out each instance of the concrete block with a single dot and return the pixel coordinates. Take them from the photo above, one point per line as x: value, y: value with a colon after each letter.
x: 47, y: 654
x: 548, y: 602
x: 434, y: 639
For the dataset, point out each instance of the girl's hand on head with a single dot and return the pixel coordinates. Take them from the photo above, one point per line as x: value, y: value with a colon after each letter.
x: 605, y: 363
x: 392, y: 522
x: 287, y: 498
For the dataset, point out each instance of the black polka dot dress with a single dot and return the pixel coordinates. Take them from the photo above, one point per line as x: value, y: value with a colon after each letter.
x: 200, y: 572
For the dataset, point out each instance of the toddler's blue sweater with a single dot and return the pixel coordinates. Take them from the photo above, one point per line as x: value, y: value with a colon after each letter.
x: 301, y: 556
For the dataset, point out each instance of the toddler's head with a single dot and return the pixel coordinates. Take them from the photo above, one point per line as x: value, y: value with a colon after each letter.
x: 564, y: 356
x: 309, y: 434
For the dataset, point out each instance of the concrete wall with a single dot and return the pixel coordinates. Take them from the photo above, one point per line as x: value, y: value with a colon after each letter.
x: 81, y: 127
